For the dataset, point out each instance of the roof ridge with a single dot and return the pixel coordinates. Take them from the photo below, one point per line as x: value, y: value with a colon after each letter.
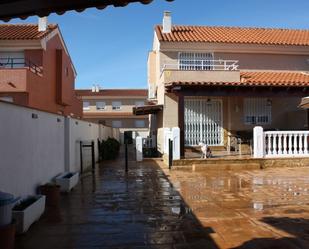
x: 234, y: 27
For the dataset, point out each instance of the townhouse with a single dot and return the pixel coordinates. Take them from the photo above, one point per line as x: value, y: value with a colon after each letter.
x: 217, y: 83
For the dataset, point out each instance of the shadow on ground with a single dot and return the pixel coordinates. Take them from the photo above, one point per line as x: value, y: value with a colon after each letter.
x: 295, y: 227
x: 112, y: 209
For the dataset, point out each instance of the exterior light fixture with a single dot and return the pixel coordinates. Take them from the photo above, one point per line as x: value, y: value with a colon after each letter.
x: 34, y: 116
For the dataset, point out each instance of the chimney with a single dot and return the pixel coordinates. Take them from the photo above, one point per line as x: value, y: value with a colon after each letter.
x: 97, y: 88
x: 93, y: 88
x: 167, y: 22
x: 42, y: 24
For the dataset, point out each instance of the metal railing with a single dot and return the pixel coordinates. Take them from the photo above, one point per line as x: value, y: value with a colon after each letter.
x: 12, y: 63
x: 203, y: 65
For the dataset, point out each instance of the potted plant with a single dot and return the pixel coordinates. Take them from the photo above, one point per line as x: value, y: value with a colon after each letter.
x: 67, y: 181
x: 27, y: 211
x: 52, y: 193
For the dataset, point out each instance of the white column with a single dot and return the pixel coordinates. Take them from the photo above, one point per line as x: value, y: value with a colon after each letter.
x: 176, y: 143
x: 285, y: 152
x: 139, y: 149
x: 270, y: 144
x: 280, y: 144
x: 258, y: 142
x: 167, y: 136
x: 300, y: 148
x: 306, y: 144
x: 290, y: 152
x: 275, y: 144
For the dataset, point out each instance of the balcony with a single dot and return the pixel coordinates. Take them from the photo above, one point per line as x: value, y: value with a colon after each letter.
x: 201, y: 70
x: 16, y: 72
x: 13, y: 63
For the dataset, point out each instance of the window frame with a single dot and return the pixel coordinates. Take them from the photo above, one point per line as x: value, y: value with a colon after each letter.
x: 259, y: 111
x: 189, y: 61
x: 116, y: 107
x: 138, y: 103
x: 86, y: 108
x: 140, y: 126
x: 100, y: 109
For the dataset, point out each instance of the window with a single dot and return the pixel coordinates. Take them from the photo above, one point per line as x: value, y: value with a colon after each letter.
x: 139, y: 103
x: 195, y: 61
x: 116, y: 105
x: 12, y: 59
x: 117, y: 124
x: 257, y: 111
x: 86, y: 106
x: 100, y: 106
x: 139, y: 123
x: 7, y: 99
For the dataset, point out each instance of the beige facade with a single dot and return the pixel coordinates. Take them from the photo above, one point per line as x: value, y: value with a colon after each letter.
x: 114, y: 108
x: 284, y: 114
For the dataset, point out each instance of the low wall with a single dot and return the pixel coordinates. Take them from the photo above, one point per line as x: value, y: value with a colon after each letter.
x: 35, y: 146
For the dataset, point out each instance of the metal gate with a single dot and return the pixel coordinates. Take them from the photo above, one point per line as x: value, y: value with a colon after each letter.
x: 203, y: 122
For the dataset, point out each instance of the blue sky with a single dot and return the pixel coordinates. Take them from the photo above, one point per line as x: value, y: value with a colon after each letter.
x: 110, y: 47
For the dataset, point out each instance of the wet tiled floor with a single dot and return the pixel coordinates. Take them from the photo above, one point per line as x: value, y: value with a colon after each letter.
x: 153, y: 207
x: 249, y: 209
x: 114, y: 210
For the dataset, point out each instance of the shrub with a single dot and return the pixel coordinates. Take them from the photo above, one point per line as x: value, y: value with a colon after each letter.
x: 109, y: 149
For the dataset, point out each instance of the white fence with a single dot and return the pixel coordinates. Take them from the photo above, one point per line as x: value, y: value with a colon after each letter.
x: 35, y: 146
x: 280, y: 143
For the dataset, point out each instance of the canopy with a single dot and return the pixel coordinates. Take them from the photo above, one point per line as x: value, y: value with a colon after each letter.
x: 146, y: 110
x: 24, y: 8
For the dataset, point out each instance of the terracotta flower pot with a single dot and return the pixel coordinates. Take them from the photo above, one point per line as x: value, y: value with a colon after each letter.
x: 7, y: 236
x: 52, y: 193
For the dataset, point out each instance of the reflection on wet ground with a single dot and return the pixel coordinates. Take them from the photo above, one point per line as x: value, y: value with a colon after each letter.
x: 153, y: 207
x: 249, y: 209
x: 114, y: 210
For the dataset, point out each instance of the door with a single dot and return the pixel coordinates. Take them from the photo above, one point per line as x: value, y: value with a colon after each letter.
x: 203, y: 122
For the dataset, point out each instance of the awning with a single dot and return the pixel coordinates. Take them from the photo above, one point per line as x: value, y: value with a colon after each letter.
x: 24, y: 8
x: 146, y: 110
x: 304, y: 103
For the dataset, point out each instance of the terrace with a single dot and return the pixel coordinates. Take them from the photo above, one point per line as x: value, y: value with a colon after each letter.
x: 195, y: 70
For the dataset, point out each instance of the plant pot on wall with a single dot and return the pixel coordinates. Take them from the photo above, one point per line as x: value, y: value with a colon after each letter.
x: 27, y: 211
x: 67, y: 181
x: 52, y: 193
x: 7, y: 236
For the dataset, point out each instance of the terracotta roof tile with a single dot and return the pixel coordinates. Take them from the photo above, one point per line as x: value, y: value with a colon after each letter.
x: 114, y: 92
x: 23, y: 31
x: 263, y: 36
x: 275, y: 79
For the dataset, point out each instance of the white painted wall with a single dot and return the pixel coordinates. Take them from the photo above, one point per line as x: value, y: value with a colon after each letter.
x: 31, y: 150
x: 35, y: 150
x: 76, y: 131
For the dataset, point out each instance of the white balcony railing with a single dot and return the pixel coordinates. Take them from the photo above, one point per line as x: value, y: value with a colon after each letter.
x: 203, y: 65
x: 281, y: 143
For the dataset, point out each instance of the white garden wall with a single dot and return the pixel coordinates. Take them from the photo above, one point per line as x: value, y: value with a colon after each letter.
x: 35, y: 146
